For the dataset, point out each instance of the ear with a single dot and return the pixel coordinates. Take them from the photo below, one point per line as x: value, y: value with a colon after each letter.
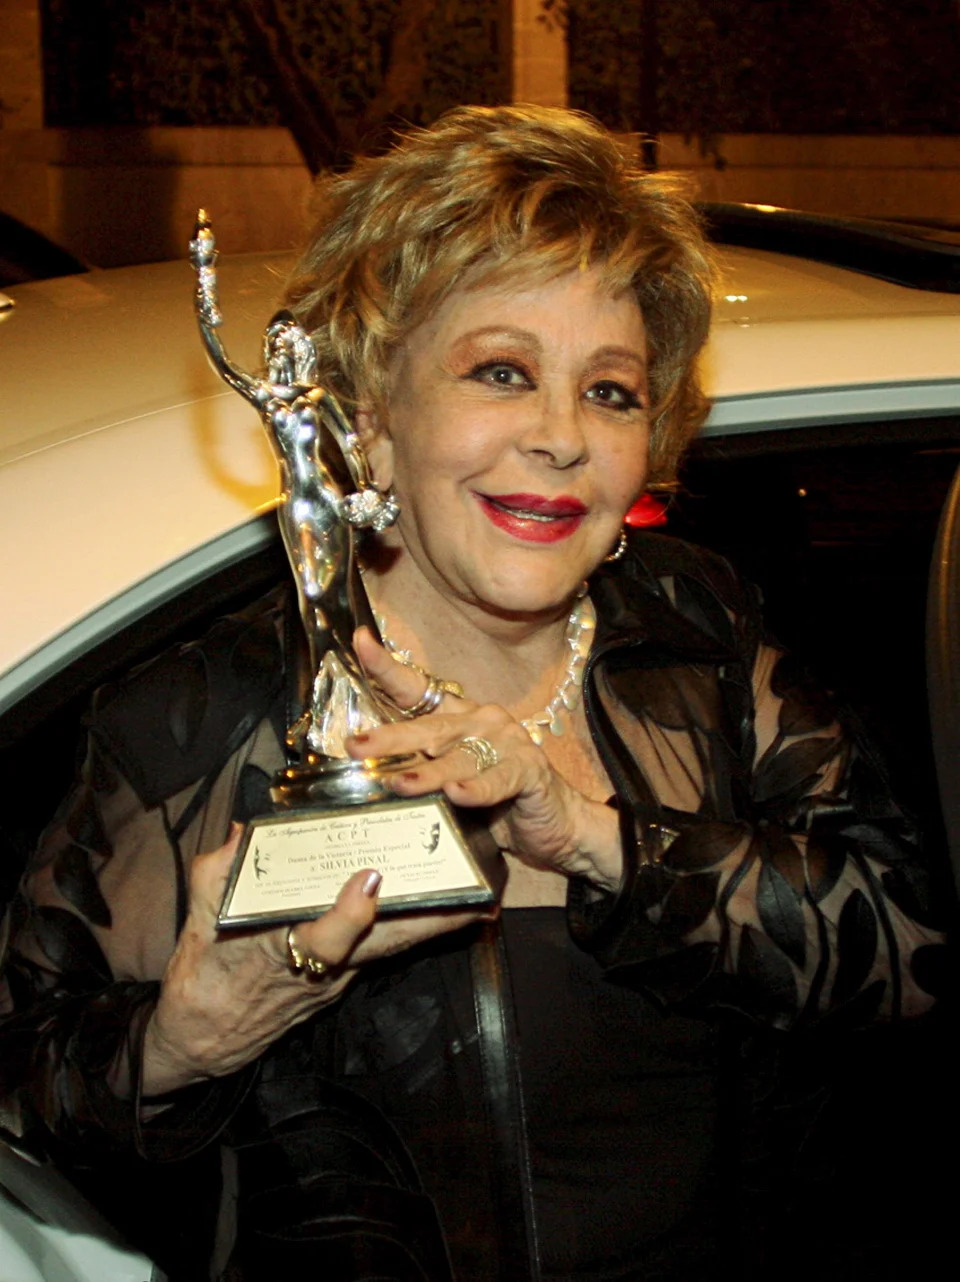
x: 377, y: 445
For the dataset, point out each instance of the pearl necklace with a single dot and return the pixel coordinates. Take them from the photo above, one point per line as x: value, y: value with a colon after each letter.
x: 578, y: 640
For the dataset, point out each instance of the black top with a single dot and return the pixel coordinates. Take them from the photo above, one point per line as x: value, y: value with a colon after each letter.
x: 620, y: 1109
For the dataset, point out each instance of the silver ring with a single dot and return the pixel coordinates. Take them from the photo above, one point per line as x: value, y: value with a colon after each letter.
x: 482, y: 751
x: 299, y: 961
x: 432, y: 697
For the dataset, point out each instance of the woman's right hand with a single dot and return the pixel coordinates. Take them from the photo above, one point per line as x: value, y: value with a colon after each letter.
x: 226, y: 996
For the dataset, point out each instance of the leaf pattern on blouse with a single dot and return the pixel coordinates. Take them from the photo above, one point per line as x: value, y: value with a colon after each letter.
x: 790, y: 868
x: 93, y: 922
x: 773, y: 873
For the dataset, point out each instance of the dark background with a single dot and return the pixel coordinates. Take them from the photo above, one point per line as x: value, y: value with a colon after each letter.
x: 719, y: 66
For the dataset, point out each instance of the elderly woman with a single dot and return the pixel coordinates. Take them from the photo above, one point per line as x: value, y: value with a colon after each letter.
x: 512, y: 313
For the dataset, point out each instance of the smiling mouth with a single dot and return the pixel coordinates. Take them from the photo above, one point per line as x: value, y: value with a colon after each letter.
x: 535, y: 507
x: 532, y: 517
x: 527, y: 514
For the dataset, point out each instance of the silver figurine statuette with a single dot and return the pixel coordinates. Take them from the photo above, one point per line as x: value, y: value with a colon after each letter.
x: 333, y: 815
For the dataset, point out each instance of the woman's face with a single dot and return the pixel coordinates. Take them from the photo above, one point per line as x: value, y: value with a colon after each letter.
x: 516, y: 437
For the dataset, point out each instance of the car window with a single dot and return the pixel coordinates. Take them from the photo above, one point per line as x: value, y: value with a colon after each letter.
x: 836, y: 526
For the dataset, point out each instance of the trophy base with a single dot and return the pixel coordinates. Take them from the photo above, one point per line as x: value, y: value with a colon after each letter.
x: 335, y: 817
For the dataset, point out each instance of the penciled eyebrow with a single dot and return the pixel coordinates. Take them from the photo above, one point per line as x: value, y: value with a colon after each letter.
x: 498, y: 331
x: 620, y: 353
x: 530, y: 340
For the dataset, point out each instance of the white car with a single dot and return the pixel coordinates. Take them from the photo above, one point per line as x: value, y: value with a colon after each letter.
x: 130, y: 474
x: 136, y: 490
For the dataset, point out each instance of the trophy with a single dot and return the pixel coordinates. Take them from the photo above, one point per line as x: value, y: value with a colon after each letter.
x: 332, y: 815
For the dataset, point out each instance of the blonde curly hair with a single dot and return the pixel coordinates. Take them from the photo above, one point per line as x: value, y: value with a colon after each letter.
x: 488, y: 194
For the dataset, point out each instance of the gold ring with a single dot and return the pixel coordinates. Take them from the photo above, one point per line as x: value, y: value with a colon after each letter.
x: 300, y: 962
x: 432, y: 697
x: 482, y: 751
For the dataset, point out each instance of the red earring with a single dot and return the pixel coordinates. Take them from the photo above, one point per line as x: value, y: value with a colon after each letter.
x: 647, y: 511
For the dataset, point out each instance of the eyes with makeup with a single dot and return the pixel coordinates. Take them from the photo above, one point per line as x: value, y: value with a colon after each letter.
x: 511, y: 376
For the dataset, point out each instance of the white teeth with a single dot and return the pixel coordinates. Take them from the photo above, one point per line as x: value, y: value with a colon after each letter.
x: 524, y: 514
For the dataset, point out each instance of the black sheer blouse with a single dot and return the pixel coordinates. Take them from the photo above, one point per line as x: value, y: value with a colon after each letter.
x: 766, y: 868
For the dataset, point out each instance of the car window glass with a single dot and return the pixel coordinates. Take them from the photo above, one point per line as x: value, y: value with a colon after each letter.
x: 836, y: 525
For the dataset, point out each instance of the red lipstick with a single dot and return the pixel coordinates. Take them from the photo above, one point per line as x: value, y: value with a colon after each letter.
x: 532, y: 517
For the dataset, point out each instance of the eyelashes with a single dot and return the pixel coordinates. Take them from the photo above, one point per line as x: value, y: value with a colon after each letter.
x: 502, y: 374
x: 510, y: 375
x: 614, y: 395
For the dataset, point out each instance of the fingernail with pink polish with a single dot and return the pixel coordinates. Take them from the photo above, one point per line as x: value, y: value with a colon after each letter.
x: 372, y: 884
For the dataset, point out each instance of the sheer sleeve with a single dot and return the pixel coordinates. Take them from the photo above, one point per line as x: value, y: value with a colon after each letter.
x: 96, y: 917
x: 767, y: 868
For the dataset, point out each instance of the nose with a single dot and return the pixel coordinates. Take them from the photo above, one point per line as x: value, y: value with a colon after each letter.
x: 555, y: 432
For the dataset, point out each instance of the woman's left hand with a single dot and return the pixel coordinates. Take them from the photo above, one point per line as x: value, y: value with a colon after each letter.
x: 536, y: 814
